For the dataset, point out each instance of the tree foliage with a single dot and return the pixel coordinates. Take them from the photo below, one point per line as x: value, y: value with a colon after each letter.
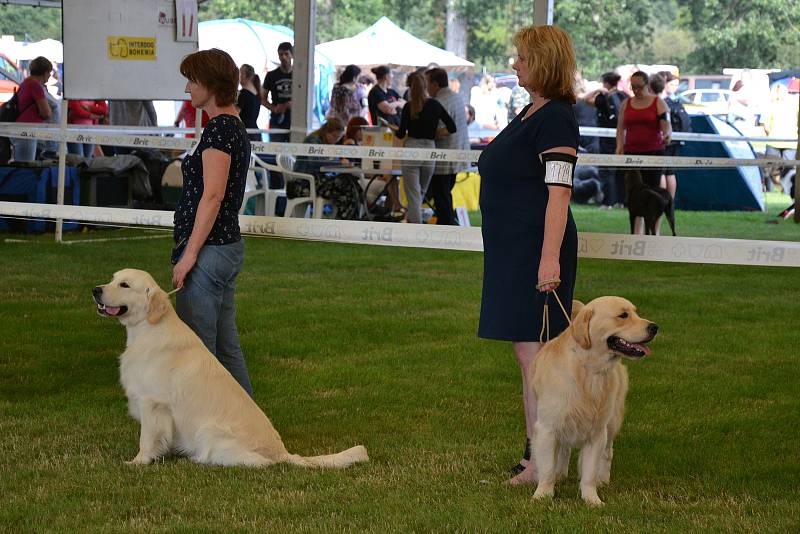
x: 30, y: 23
x: 744, y: 33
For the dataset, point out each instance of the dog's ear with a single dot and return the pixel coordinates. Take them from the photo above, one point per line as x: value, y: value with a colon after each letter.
x: 580, y: 327
x: 577, y: 306
x: 157, y: 305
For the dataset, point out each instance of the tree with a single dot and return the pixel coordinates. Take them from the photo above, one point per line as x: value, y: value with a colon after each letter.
x: 30, y: 23
x: 602, y: 30
x: 744, y: 34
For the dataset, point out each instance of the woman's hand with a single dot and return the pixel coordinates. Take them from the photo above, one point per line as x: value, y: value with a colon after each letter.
x: 619, y: 151
x: 549, y: 269
x: 182, y: 268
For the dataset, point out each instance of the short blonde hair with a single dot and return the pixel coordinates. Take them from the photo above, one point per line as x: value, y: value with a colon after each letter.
x: 551, y: 60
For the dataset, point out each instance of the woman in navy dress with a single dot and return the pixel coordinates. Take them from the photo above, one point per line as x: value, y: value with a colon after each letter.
x: 529, y: 236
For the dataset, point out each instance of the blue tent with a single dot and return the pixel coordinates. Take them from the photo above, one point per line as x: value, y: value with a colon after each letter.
x: 721, y: 189
x: 256, y: 43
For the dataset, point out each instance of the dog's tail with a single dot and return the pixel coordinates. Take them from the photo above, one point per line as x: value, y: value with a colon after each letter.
x: 351, y: 456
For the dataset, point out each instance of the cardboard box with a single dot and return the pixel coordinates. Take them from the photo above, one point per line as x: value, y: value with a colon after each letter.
x: 380, y: 136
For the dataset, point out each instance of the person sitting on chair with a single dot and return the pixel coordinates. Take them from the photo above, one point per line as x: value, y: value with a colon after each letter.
x: 342, y: 190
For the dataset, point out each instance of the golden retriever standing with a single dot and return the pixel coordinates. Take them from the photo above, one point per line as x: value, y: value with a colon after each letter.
x: 580, y: 386
x: 185, y: 400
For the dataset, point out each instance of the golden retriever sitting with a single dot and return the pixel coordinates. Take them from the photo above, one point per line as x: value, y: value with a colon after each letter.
x: 186, y: 401
x: 580, y: 386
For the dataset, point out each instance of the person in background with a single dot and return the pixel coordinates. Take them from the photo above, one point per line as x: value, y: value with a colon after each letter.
x: 680, y: 122
x: 209, y: 251
x: 345, y: 103
x: 365, y: 85
x: 383, y: 101
x: 278, y: 93
x: 354, y: 133
x: 444, y: 173
x: 188, y: 116
x: 85, y: 112
x: 607, y: 104
x: 643, y: 129
x: 529, y: 236
x: 342, y: 189
x: 33, y: 106
x: 420, y: 120
x: 130, y: 113
x: 250, y: 98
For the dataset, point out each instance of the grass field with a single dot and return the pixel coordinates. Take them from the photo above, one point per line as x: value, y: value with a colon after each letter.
x: 352, y: 344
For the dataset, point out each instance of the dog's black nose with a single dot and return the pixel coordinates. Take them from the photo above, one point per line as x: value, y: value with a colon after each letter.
x: 97, y: 291
x: 652, y: 329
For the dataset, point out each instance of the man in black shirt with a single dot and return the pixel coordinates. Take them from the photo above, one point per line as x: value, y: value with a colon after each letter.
x: 278, y: 93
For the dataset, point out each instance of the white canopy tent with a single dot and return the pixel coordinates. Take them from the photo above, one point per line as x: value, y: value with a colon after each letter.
x: 49, y: 48
x: 385, y: 43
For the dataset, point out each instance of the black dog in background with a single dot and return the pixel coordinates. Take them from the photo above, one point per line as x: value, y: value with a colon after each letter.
x: 648, y: 202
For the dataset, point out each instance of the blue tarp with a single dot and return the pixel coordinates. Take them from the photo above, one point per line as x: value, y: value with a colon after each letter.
x: 725, y: 189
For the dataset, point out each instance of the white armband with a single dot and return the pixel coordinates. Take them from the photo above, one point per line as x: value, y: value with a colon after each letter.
x: 558, y: 168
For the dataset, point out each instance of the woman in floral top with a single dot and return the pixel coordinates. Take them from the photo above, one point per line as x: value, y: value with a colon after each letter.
x: 209, y: 250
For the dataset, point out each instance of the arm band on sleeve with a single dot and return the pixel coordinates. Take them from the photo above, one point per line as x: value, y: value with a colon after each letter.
x: 558, y: 168
x: 663, y: 116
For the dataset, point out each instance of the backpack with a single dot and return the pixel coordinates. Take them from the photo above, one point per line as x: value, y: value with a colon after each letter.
x: 680, y: 120
x: 8, y: 113
x: 608, y: 113
x: 10, y: 110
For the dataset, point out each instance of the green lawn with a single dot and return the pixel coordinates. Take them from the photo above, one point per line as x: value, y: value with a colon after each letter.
x: 352, y: 344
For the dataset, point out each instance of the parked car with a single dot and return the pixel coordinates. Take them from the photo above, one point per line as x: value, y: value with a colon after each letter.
x: 708, y: 101
x: 704, y: 81
x: 10, y: 78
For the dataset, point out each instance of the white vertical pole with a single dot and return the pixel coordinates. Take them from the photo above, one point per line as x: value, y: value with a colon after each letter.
x: 305, y: 27
x: 542, y: 12
x: 62, y: 164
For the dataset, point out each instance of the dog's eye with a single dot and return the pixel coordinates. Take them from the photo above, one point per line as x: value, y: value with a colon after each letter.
x: 124, y: 284
x: 623, y: 315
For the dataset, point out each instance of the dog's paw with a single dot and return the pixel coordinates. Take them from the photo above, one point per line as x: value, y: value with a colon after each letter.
x: 140, y: 459
x: 591, y: 498
x: 543, y: 492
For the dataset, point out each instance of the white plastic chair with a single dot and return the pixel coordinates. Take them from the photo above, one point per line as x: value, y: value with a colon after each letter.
x: 266, y: 197
x: 299, y: 206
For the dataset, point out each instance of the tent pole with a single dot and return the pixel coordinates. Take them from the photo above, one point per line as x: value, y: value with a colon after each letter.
x: 542, y: 12
x: 305, y: 27
x: 797, y: 169
x: 62, y: 163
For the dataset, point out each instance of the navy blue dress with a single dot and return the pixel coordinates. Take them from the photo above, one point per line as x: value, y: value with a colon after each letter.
x: 513, y: 202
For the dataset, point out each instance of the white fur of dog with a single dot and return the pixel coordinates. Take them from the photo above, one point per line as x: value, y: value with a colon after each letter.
x: 186, y: 401
x: 580, y: 386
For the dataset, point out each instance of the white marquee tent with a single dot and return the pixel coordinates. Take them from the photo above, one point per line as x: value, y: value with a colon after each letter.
x: 385, y: 43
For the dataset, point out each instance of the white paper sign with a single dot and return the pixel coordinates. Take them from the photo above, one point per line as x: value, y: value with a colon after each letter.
x: 186, y: 20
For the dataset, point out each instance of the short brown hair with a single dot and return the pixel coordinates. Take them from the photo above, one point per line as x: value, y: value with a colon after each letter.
x: 438, y: 76
x: 216, y: 71
x: 40, y: 65
x: 551, y: 60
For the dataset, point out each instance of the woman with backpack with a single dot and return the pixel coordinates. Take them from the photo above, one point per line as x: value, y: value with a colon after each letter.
x: 680, y: 122
x: 32, y: 105
x: 608, y: 103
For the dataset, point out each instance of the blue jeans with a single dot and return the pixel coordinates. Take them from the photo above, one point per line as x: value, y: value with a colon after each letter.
x: 207, y: 304
x: 81, y: 149
x: 24, y: 149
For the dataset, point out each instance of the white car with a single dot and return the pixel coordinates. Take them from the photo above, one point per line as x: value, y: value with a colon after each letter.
x: 709, y: 101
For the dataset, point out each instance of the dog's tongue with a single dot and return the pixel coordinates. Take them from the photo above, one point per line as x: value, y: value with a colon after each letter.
x: 642, y: 347
x: 111, y: 310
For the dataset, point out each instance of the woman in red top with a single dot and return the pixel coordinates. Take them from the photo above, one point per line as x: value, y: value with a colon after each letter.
x: 85, y: 112
x: 643, y: 129
x: 33, y: 105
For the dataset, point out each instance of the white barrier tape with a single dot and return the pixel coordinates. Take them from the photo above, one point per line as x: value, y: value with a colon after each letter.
x: 591, y: 131
x: 590, y: 245
x: 588, y: 131
x: 411, y: 154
